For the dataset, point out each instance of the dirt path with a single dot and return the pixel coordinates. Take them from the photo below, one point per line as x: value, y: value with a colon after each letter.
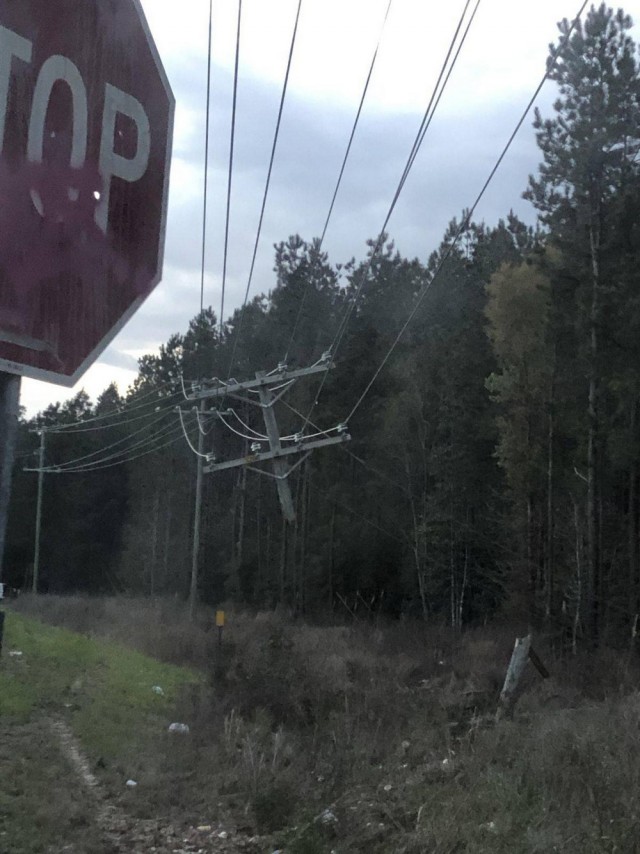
x: 121, y: 833
x: 52, y: 803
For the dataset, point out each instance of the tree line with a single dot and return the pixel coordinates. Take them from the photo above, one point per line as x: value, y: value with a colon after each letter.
x: 494, y: 464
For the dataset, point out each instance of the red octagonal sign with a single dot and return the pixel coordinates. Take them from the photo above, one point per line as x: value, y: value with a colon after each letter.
x: 86, y: 117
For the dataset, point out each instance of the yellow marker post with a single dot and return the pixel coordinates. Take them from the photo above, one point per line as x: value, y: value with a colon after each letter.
x: 220, y: 625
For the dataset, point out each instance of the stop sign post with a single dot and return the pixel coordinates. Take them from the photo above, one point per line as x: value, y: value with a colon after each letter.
x: 86, y: 119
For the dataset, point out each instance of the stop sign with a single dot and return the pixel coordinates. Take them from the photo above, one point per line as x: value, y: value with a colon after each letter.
x: 86, y: 117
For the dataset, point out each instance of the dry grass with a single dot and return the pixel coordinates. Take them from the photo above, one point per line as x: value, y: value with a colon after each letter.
x: 391, y: 729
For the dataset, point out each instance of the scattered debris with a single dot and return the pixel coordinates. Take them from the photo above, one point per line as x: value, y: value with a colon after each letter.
x: 203, y: 828
x: 388, y: 787
x: 15, y: 653
x: 183, y: 729
x: 327, y: 817
x: 158, y: 690
x: 223, y: 834
x: 131, y: 784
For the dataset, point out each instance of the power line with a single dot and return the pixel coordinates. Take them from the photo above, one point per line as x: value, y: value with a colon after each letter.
x: 80, y: 423
x: 434, y: 100
x: 355, y: 457
x: 266, y: 189
x: 231, y: 151
x: 186, y: 436
x: 55, y: 430
x: 428, y: 117
x: 238, y: 433
x: 341, y: 174
x: 121, y: 456
x: 177, y: 434
x: 199, y: 416
x: 206, y: 158
x: 73, y: 462
x: 247, y: 427
x: 467, y: 218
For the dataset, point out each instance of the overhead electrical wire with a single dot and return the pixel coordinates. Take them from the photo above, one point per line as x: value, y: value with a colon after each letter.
x: 341, y: 173
x: 237, y: 432
x: 431, y: 110
x: 99, y: 466
x: 230, y: 176
x: 355, y: 457
x: 82, y: 422
x: 186, y: 436
x: 74, y: 462
x: 125, y: 421
x: 206, y: 158
x: 258, y: 437
x: 247, y: 427
x: 123, y: 454
x: 199, y: 415
x: 470, y: 211
x: 275, y: 387
x: 266, y: 189
x: 434, y: 100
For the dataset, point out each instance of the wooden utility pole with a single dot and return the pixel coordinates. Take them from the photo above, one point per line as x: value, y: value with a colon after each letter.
x: 36, y: 549
x: 267, y: 399
x: 9, y: 407
x: 197, y: 515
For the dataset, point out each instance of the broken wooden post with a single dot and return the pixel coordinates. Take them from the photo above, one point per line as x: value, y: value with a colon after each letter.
x: 519, y: 658
x: 521, y: 652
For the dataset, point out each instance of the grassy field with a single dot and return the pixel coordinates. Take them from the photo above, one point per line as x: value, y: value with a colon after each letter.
x: 313, y: 740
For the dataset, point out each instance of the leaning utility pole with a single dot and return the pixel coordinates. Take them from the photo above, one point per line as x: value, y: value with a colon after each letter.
x: 265, y: 387
x: 267, y: 400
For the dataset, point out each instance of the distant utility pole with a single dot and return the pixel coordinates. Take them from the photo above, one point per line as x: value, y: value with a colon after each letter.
x: 9, y: 407
x: 195, y: 551
x: 265, y: 386
x: 36, y: 550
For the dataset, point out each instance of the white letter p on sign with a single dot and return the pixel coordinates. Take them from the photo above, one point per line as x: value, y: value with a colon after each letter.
x: 115, y: 165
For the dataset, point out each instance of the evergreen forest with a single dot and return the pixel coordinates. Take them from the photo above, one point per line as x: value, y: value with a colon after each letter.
x: 494, y: 464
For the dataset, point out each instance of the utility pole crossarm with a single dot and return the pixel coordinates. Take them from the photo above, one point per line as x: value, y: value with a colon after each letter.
x: 262, y: 382
x: 265, y: 387
x: 301, y: 448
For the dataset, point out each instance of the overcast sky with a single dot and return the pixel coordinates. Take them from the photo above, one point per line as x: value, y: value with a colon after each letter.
x: 498, y: 70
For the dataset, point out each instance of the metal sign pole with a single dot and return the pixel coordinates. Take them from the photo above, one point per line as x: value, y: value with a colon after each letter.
x: 9, y: 408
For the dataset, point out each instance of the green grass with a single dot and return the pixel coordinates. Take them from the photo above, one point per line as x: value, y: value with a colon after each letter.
x: 104, y: 692
x: 59, y: 668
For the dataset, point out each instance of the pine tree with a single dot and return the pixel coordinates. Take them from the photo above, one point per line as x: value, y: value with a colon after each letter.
x: 587, y: 150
